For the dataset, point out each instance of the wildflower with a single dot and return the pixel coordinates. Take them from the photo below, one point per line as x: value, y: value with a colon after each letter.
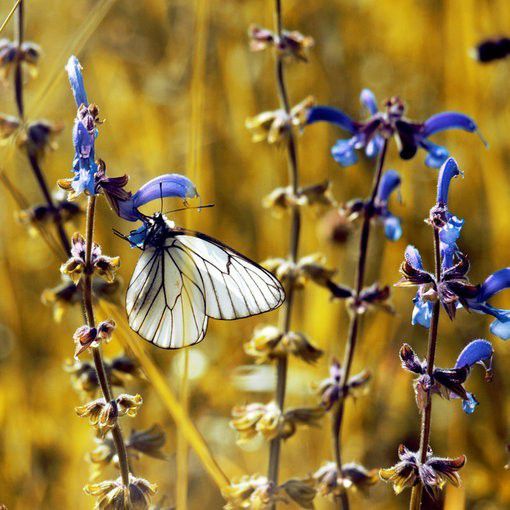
x: 269, y: 421
x: 330, y: 482
x: 292, y: 43
x: 269, y: 343
x: 490, y: 50
x: 433, y: 473
x: 370, y: 134
x: 274, y: 125
x: 8, y: 126
x: 103, y: 266
x: 103, y: 415
x: 28, y: 54
x: 114, y: 495
x: 315, y: 195
x: 331, y: 391
x: 39, y: 138
x: 86, y: 337
x: 448, y: 383
x: 84, y: 135
x: 251, y: 492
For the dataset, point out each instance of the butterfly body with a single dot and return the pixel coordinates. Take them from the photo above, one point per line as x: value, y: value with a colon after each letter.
x: 183, y: 278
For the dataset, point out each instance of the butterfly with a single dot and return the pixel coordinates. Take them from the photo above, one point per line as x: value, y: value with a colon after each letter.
x: 183, y: 278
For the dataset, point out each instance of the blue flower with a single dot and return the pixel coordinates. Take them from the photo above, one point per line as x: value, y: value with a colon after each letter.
x: 496, y: 282
x: 163, y: 186
x: 449, y: 382
x: 389, y: 183
x: 84, y: 132
x: 370, y: 134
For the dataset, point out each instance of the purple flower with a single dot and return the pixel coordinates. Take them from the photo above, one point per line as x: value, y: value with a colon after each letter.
x: 370, y: 134
x: 389, y: 183
x: 84, y: 132
x: 448, y: 382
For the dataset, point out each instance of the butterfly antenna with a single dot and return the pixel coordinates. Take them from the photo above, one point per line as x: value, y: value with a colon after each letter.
x: 199, y: 207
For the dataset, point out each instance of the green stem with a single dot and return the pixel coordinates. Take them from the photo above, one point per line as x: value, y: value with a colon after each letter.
x: 352, y: 336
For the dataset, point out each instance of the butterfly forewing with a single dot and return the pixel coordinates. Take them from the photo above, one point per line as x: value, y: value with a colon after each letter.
x: 180, y: 282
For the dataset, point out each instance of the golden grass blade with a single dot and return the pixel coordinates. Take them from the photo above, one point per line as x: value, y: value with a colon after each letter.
x: 171, y: 402
x: 182, y: 444
x: 9, y: 16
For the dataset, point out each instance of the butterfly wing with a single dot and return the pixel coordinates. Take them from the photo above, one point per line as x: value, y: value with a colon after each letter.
x: 177, y: 286
x: 165, y: 302
x: 234, y: 286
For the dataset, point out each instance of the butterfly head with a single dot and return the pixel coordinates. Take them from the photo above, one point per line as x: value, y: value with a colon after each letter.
x: 157, y: 228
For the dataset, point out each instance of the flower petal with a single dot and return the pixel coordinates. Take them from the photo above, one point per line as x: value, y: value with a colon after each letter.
x: 437, y: 154
x: 422, y: 312
x: 332, y: 115
x: 474, y: 352
x: 496, y: 282
x: 448, y: 171
x: 392, y: 227
x: 469, y: 405
x: 389, y: 182
x: 367, y: 99
x: 73, y: 68
x: 413, y: 257
x: 344, y: 153
x: 448, y: 120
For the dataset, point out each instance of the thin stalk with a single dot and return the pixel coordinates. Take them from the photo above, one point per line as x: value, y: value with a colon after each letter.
x: 96, y: 351
x: 295, y: 230
x: 32, y: 158
x: 417, y: 490
x: 352, y: 336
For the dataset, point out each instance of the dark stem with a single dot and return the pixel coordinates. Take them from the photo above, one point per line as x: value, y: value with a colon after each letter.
x: 352, y: 336
x: 32, y: 158
x: 295, y: 230
x: 416, y: 493
x: 96, y: 351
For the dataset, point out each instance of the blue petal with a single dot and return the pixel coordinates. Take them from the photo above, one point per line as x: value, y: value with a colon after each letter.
x: 83, y: 181
x: 389, y: 182
x: 412, y: 255
x: 163, y: 186
x: 137, y: 237
x: 73, y: 69
x: 332, y: 115
x: 374, y: 146
x: 448, y: 171
x: 344, y: 153
x: 448, y: 236
x: 422, y: 312
x: 474, y: 352
x: 448, y: 120
x: 501, y: 326
x: 436, y: 156
x: 496, y: 282
x: 367, y: 99
x: 392, y: 227
x: 469, y: 405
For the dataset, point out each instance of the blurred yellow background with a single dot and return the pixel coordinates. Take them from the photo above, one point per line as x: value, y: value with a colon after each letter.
x: 175, y: 81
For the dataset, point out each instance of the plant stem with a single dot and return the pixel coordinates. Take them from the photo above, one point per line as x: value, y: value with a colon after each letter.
x: 352, y: 337
x: 295, y: 230
x: 417, y: 490
x: 96, y: 351
x: 32, y: 158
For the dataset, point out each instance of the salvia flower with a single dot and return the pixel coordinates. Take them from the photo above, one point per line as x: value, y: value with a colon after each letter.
x: 86, y: 337
x: 390, y: 181
x: 114, y: 495
x: 391, y: 122
x: 433, y: 473
x: 103, y: 415
x: 269, y: 343
x: 28, y: 53
x: 102, y: 265
x: 273, y: 126
x: 291, y: 43
x: 448, y: 382
x: 331, y: 391
x: 84, y: 133
x: 329, y: 482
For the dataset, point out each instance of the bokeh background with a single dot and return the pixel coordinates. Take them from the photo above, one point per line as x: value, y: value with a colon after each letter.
x: 175, y: 81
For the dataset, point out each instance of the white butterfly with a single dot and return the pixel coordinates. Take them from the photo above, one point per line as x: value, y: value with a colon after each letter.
x: 182, y: 278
